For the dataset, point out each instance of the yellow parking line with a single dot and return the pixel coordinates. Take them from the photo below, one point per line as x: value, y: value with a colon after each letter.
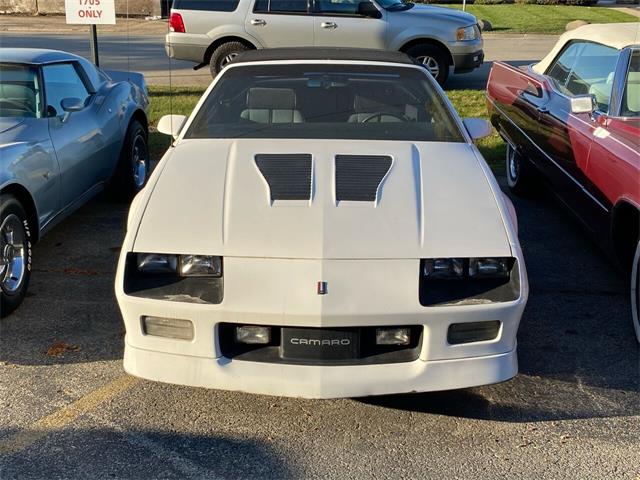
x: 60, y: 418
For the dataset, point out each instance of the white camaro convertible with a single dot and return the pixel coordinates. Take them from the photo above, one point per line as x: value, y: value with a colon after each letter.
x: 323, y: 226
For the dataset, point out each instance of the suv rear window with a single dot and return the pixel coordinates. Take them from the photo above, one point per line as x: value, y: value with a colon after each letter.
x: 209, y: 5
x: 325, y: 102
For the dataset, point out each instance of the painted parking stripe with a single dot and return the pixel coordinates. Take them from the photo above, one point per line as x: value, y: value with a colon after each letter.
x: 64, y: 416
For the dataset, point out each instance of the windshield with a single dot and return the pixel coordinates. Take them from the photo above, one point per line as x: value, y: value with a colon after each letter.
x: 325, y: 101
x: 19, y: 91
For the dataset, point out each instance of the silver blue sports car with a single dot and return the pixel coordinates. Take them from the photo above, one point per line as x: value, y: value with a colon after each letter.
x: 68, y: 130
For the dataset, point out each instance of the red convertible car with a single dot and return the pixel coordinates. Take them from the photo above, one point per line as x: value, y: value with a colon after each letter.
x: 573, y: 119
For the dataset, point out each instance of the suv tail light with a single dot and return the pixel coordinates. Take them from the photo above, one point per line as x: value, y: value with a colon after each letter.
x: 176, y: 24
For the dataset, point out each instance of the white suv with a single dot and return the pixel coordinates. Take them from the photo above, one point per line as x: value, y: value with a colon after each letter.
x: 213, y: 32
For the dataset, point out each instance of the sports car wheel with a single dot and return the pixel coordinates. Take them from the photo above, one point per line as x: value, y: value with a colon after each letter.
x: 635, y: 292
x: 15, y: 254
x: 433, y: 58
x: 133, y: 168
x: 519, y: 172
x: 224, y: 54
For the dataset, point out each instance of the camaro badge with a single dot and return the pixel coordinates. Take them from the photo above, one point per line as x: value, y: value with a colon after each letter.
x: 322, y: 288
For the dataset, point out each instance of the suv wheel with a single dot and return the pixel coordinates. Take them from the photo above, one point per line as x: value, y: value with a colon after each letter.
x: 15, y: 254
x: 224, y: 54
x: 433, y: 58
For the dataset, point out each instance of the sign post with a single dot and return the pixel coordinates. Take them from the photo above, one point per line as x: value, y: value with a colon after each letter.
x: 92, y: 13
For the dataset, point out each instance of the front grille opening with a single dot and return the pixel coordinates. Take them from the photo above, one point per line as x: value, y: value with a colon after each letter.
x: 321, y: 346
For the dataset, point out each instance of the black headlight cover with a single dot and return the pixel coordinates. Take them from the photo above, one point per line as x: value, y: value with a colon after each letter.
x: 170, y: 286
x: 467, y: 289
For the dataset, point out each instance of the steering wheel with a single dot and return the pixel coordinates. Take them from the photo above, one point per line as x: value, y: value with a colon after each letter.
x: 17, y: 105
x: 379, y: 115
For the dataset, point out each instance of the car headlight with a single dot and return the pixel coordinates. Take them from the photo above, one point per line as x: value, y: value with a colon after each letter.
x: 471, y: 32
x: 481, y: 267
x: 183, y: 265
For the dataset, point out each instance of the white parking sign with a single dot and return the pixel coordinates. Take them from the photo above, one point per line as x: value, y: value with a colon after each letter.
x: 91, y: 12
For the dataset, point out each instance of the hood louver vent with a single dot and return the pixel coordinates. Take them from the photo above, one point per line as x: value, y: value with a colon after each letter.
x: 358, y: 177
x: 288, y: 175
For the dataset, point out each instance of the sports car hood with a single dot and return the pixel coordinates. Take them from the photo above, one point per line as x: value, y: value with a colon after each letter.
x: 215, y: 197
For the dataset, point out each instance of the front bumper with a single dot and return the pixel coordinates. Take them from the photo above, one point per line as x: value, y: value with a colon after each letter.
x: 184, y: 46
x: 282, y: 292
x: 320, y: 382
x: 466, y: 62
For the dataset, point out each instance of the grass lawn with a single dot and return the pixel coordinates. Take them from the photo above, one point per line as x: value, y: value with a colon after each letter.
x: 542, y: 18
x: 469, y: 103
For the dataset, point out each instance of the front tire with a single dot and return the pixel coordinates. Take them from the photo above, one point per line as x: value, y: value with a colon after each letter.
x: 635, y: 292
x: 520, y: 174
x: 433, y: 58
x: 15, y: 254
x: 132, y: 171
x: 224, y: 54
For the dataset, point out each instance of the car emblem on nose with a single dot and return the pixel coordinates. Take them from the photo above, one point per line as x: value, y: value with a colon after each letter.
x: 322, y: 288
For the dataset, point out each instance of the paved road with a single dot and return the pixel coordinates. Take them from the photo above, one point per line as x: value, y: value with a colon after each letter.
x: 572, y: 412
x: 145, y: 53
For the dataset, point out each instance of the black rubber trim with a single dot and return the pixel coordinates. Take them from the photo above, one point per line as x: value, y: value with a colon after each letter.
x: 288, y: 175
x: 315, y: 53
x: 358, y: 176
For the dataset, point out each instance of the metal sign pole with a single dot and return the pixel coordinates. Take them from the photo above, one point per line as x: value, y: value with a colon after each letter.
x: 93, y: 38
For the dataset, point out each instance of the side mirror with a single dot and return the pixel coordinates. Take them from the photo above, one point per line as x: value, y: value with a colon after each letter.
x: 70, y: 105
x: 171, y: 124
x: 583, y: 104
x: 478, y: 128
x: 368, y: 9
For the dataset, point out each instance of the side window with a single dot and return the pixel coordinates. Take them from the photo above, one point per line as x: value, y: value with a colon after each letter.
x: 631, y: 95
x: 207, y: 5
x: 586, y: 68
x: 62, y: 81
x: 280, y: 6
x: 339, y: 7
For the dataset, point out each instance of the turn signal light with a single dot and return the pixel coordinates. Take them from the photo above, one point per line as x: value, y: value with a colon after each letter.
x: 473, y: 332
x: 168, y: 327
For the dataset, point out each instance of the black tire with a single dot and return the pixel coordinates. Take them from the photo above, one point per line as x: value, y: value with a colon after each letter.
x: 635, y: 292
x: 520, y: 173
x: 223, y: 55
x: 14, y: 221
x: 423, y: 53
x: 132, y: 172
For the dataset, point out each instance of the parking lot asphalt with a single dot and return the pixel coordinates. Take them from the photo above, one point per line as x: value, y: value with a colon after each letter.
x: 69, y: 411
x: 145, y: 53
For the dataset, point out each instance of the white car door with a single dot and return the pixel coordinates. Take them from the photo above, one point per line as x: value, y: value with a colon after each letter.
x: 280, y: 23
x: 338, y: 23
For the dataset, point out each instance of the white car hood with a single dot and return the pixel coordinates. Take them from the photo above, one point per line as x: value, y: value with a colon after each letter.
x: 211, y: 198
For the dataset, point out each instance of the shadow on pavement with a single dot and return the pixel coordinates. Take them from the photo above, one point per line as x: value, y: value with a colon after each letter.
x: 98, y: 453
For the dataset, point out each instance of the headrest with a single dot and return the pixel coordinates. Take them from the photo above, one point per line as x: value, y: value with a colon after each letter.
x: 9, y: 90
x: 271, y: 99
